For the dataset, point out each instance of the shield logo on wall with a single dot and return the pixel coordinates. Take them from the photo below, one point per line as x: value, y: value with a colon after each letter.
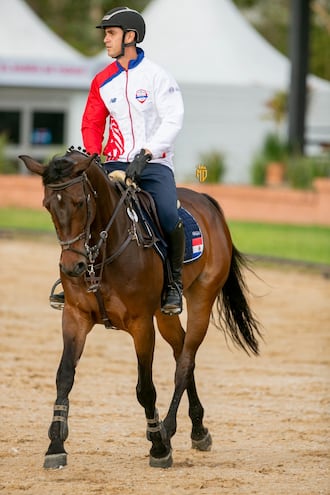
x: 201, y: 173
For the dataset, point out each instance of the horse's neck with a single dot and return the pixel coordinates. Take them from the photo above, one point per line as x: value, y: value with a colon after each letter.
x: 106, y: 204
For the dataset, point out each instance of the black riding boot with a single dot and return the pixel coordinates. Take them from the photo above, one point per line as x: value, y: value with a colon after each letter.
x: 172, y: 296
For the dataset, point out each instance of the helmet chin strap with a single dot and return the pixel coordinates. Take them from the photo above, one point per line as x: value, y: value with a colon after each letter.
x: 124, y: 45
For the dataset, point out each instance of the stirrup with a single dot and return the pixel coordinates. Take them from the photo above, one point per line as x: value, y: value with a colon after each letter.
x: 56, y: 301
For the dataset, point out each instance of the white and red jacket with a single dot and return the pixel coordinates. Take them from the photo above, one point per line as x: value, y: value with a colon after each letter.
x: 145, y: 110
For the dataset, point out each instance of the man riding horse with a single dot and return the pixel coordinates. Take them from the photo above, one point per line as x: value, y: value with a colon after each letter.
x: 144, y: 107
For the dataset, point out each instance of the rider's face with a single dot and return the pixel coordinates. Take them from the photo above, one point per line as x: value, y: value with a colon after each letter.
x: 113, y: 37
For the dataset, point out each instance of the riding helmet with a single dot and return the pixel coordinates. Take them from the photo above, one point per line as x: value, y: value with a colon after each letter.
x: 127, y: 19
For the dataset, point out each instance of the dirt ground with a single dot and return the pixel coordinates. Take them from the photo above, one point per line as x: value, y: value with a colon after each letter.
x: 268, y: 416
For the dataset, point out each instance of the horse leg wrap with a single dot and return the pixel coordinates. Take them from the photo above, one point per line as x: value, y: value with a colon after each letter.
x: 154, y: 426
x: 59, y: 426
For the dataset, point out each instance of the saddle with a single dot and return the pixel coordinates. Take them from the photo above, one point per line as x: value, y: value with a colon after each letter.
x: 142, y: 211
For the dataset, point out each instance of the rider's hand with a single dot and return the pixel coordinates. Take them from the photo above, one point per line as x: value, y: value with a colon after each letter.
x: 98, y: 160
x: 135, y: 168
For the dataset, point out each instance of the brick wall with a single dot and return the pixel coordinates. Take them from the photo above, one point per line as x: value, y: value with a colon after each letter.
x: 238, y: 202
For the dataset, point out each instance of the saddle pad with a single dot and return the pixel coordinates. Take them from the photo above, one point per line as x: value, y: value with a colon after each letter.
x: 194, y: 237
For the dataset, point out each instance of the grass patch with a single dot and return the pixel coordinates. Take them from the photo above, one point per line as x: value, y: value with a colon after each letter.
x: 292, y: 242
x: 25, y: 219
x: 296, y: 242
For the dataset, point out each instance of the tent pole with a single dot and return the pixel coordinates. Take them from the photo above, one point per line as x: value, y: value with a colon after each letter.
x: 299, y: 42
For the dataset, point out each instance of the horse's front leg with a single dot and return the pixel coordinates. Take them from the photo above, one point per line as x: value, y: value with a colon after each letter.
x: 74, y: 338
x: 144, y: 341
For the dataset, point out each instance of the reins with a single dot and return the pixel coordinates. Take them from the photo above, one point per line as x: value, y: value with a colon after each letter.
x: 93, y: 280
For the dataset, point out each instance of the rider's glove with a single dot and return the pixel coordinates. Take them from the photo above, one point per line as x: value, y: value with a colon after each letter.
x: 135, y: 168
x: 98, y: 160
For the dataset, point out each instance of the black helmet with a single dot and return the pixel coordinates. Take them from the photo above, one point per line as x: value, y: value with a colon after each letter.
x: 127, y: 19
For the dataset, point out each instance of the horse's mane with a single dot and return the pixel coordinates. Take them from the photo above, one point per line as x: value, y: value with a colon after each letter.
x: 58, y: 168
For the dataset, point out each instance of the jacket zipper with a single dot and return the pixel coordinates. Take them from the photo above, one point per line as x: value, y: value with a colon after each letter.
x: 130, y: 116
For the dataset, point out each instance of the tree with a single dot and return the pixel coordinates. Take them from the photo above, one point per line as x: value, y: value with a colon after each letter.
x: 74, y: 20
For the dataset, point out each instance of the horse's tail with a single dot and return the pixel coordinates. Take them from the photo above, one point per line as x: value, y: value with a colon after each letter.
x: 235, y: 317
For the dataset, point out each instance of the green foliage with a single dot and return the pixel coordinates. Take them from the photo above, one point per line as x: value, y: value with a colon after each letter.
x: 6, y: 166
x: 277, y: 107
x: 258, y: 170
x: 320, y: 42
x: 75, y: 20
x: 274, y: 149
x: 302, y: 170
x: 215, y: 164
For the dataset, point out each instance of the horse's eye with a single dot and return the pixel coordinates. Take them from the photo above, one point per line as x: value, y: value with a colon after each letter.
x: 80, y: 204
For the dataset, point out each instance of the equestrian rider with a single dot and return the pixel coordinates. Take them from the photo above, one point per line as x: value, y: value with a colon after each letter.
x: 143, y: 106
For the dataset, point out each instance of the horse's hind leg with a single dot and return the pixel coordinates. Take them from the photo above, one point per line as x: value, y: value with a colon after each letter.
x: 172, y: 331
x: 56, y: 456
x: 200, y: 436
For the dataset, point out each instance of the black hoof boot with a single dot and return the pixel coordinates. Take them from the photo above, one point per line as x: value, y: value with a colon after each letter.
x: 55, y: 461
x: 203, y: 444
x: 162, y: 462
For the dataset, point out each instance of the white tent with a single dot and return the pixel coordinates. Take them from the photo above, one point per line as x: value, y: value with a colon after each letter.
x: 227, y: 72
x: 32, y: 55
x: 42, y: 79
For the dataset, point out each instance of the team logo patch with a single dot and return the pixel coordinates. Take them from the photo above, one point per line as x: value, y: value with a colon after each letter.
x: 141, y: 95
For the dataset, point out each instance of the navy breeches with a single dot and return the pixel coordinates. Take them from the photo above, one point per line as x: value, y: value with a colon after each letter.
x: 158, y: 181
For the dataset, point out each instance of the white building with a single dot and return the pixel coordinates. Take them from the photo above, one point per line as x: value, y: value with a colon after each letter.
x: 43, y: 84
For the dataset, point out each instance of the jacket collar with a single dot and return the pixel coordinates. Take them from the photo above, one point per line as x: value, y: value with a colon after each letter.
x: 136, y: 61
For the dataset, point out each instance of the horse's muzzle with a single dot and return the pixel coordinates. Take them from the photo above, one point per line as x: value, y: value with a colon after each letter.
x: 75, y: 270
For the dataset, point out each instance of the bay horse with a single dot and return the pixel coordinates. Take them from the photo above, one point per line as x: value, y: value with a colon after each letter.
x: 109, y: 277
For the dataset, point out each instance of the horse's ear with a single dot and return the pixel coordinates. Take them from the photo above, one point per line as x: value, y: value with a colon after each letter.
x: 83, y: 165
x: 32, y: 165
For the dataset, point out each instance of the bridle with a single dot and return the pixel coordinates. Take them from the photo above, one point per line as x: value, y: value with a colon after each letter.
x: 67, y: 244
x: 92, y: 252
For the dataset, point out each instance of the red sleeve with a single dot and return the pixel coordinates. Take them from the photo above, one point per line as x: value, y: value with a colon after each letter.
x: 94, y: 120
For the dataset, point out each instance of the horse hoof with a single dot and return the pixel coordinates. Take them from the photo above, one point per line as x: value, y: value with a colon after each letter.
x: 55, y: 461
x: 204, y: 444
x: 162, y: 462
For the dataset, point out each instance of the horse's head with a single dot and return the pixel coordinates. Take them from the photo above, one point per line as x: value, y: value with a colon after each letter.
x: 70, y: 199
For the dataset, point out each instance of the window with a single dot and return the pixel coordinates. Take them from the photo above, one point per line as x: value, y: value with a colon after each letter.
x: 10, y: 125
x: 47, y: 128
